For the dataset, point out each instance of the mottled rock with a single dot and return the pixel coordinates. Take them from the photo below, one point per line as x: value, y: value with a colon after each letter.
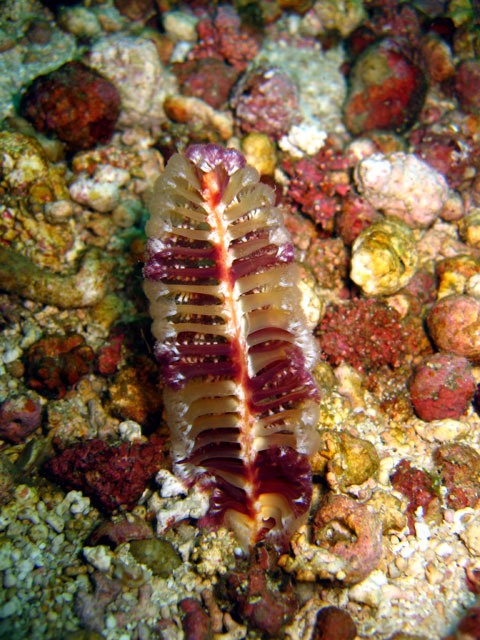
x: 459, y: 469
x: 158, y: 555
x: 86, y: 287
x: 345, y: 458
x: 57, y: 362
x: 75, y: 103
x: 266, y: 101
x: 387, y: 90
x: 454, y: 325
x: 346, y: 528
x: 133, y: 65
x: 442, y: 386
x: 19, y: 417
x: 467, y: 85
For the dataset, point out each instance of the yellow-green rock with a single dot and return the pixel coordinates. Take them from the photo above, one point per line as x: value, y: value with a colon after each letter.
x: 384, y: 257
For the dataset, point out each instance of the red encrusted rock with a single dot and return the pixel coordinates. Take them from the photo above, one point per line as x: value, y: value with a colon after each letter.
x: 393, y: 18
x: 417, y: 486
x: 454, y: 325
x: 90, y: 607
x: 111, y: 476
x: 459, y: 468
x: 74, y: 103
x: 108, y: 357
x: 263, y: 595
x: 135, y: 9
x: 226, y: 38
x: 318, y: 184
x: 444, y: 153
x: 56, y: 363
x: 333, y: 623
x: 355, y: 215
x: 19, y: 417
x: 442, y: 386
x: 368, y: 335
x: 121, y: 529
x: 437, y: 57
x: 195, y: 621
x: 467, y: 85
x: 207, y: 78
x: 266, y: 101
x: 469, y: 626
x: 387, y: 90
x: 136, y: 392
x: 346, y: 528
x: 421, y: 290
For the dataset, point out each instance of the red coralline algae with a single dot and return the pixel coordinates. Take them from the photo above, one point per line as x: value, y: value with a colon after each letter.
x: 266, y: 101
x: 74, y: 103
x: 387, y: 90
x: 112, y: 477
x: 224, y: 37
x: 207, y: 78
x: 333, y: 623
x: 195, y: 621
x: 263, y: 596
x: 56, y: 363
x: 459, y: 468
x: 467, y: 85
x: 417, y: 486
x: 368, y: 335
x: 442, y: 386
x: 19, y: 417
x: 318, y: 184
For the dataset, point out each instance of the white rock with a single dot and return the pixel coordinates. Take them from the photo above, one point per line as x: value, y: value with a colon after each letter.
x: 100, y: 557
x: 130, y: 430
x: 171, y: 485
x: 402, y: 185
x: 101, y: 196
x: 369, y: 591
x: 307, y: 137
x: 446, y: 430
x: 180, y: 25
x: 133, y: 65
x: 471, y: 535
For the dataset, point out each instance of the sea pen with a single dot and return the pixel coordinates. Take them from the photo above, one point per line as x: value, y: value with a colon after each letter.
x: 232, y: 341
